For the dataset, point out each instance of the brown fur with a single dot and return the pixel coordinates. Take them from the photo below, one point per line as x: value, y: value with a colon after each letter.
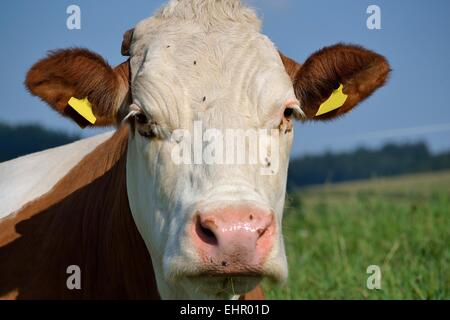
x: 255, y: 294
x: 80, y: 73
x: 360, y: 71
x: 126, y: 43
x: 291, y: 66
x: 86, y: 221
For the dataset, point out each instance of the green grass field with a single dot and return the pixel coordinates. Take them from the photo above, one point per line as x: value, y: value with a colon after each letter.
x: 333, y: 233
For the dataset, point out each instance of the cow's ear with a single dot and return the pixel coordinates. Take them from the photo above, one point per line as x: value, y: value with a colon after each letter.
x: 81, y: 85
x: 335, y: 79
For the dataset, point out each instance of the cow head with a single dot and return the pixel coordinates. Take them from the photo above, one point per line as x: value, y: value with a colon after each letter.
x: 200, y: 77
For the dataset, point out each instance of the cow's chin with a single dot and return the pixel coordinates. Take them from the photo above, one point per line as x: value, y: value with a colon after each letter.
x: 221, y: 286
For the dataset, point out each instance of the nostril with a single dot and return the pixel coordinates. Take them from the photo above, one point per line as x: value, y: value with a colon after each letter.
x: 261, y: 232
x: 266, y: 229
x: 208, y: 233
x: 205, y: 233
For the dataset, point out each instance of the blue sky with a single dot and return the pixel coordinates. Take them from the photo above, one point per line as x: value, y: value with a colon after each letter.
x: 414, y: 37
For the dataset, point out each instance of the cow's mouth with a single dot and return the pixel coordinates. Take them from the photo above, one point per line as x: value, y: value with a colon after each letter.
x: 226, y: 285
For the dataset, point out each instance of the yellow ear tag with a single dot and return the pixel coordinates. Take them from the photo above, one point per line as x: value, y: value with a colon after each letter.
x: 335, y: 101
x: 84, y: 108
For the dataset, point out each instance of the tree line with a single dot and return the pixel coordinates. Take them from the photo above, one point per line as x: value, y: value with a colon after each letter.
x: 364, y: 163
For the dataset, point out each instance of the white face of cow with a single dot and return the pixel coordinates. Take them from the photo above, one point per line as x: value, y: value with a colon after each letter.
x: 211, y: 131
x: 212, y: 224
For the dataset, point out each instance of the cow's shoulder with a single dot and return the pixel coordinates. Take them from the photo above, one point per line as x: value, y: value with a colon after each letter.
x: 83, y: 220
x: 27, y: 178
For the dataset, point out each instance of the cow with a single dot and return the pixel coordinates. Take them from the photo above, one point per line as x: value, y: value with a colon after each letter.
x: 136, y: 223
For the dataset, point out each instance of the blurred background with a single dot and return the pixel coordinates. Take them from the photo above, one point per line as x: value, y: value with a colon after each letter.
x: 396, y: 145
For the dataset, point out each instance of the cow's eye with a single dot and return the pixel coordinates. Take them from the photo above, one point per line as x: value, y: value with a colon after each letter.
x: 149, y: 130
x: 146, y: 127
x: 293, y: 110
x: 141, y: 118
x: 288, y: 112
